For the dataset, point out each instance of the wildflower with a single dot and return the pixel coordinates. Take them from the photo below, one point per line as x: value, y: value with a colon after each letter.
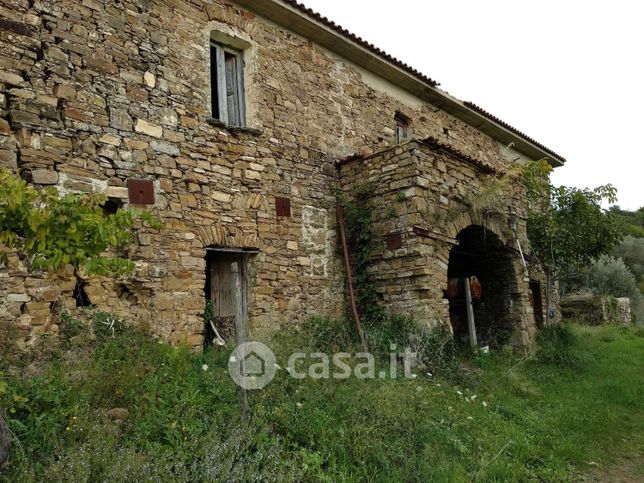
x: 298, y: 404
x: 204, y: 367
x: 470, y: 418
x: 418, y: 388
x: 484, y: 404
x: 68, y: 428
x: 429, y: 374
x: 74, y: 418
x: 459, y: 393
x: 473, y: 397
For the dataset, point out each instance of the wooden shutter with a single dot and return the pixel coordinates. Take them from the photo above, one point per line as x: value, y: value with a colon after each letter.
x: 214, y: 83
x: 232, y: 92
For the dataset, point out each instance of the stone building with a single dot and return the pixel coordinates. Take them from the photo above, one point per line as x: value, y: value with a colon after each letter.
x: 233, y: 122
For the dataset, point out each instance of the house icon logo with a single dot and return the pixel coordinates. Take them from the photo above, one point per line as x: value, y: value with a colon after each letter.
x: 252, y: 365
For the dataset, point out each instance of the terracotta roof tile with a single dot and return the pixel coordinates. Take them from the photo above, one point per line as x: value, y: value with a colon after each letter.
x: 363, y: 43
x: 492, y: 117
x: 407, y: 68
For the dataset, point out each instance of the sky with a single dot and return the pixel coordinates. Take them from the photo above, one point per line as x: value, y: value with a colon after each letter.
x: 568, y: 73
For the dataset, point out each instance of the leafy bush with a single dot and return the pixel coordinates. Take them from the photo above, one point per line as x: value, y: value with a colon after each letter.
x: 50, y: 230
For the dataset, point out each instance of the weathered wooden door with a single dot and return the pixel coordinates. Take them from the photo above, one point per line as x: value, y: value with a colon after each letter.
x: 222, y: 291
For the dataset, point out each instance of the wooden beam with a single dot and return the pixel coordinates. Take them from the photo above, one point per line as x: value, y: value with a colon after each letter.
x: 240, y: 330
x: 471, y: 327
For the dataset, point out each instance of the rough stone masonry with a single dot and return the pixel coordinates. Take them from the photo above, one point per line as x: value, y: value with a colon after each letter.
x: 95, y: 94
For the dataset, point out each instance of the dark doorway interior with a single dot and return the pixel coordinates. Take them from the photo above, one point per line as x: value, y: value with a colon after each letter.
x: 481, y: 254
x: 536, y: 302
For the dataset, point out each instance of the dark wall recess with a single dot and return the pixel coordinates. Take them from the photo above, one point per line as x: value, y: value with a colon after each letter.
x: 140, y: 191
x: 282, y: 206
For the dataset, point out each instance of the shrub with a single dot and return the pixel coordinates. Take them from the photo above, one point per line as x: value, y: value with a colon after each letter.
x: 50, y: 231
x: 610, y: 276
x: 631, y: 250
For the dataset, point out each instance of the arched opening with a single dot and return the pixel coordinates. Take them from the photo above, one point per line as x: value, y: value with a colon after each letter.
x: 481, y: 258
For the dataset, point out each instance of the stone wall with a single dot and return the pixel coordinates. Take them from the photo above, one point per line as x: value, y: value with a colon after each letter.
x: 424, y: 195
x: 592, y: 309
x: 96, y: 92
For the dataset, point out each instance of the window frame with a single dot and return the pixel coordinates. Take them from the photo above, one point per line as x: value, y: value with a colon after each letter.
x: 402, y: 128
x: 219, y: 84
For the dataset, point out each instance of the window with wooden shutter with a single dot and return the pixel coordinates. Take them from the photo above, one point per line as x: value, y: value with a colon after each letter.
x: 227, y: 89
x: 402, y: 128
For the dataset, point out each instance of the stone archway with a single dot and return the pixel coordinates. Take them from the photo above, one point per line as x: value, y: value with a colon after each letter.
x: 480, y: 253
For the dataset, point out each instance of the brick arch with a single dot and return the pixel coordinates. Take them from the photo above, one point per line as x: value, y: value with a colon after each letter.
x: 218, y: 235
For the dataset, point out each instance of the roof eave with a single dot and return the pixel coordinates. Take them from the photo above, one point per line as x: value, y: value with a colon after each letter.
x: 293, y: 19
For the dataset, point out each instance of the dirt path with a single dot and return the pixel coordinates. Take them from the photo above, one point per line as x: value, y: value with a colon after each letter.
x: 629, y: 469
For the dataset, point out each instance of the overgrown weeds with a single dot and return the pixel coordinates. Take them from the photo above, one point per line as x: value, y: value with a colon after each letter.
x: 559, y: 345
x: 522, y: 419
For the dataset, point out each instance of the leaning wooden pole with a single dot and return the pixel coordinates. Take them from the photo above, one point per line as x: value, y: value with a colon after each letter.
x: 471, y: 327
x: 240, y: 331
x: 347, y: 265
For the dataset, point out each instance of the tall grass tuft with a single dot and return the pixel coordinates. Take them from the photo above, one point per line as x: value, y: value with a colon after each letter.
x: 560, y: 346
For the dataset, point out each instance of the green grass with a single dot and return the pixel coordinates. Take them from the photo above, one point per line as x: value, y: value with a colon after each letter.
x: 546, y: 418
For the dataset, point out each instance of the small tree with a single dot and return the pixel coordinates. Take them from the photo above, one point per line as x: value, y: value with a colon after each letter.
x: 49, y: 231
x: 567, y: 227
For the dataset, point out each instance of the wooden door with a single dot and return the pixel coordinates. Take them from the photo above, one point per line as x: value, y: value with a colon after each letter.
x: 222, y: 293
